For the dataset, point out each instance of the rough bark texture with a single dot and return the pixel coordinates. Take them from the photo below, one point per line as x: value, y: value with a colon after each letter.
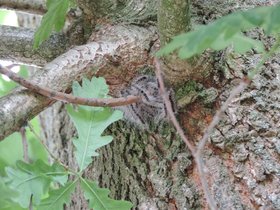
x: 248, y: 138
x: 17, y: 45
x: 154, y: 170
x: 130, y: 43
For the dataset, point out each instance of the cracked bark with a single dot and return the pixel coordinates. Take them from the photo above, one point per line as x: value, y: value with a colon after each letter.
x: 130, y: 43
x: 155, y: 171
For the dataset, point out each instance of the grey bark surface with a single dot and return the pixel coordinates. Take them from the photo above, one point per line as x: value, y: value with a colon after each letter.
x: 154, y: 170
x: 33, y: 6
x: 17, y: 45
x: 131, y: 43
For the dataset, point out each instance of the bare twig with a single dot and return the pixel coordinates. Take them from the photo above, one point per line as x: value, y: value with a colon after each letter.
x: 30, y: 203
x: 180, y: 131
x: 197, y: 153
x: 170, y: 110
x: 24, y: 144
x: 217, y: 116
x: 111, y: 102
x: 216, y: 119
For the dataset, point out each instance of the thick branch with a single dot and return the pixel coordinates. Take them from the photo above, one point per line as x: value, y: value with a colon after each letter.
x: 137, y: 11
x: 173, y: 19
x: 32, y: 6
x: 50, y: 93
x: 116, y: 41
x: 130, y: 11
x: 16, y: 44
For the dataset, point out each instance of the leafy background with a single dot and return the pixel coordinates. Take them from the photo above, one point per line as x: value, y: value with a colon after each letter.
x: 11, y: 149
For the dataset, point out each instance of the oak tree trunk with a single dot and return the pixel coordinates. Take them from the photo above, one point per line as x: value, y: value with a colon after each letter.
x: 153, y: 168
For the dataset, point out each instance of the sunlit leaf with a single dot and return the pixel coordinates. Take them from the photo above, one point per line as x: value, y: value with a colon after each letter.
x: 5, y: 195
x: 91, y: 122
x: 226, y: 31
x: 57, y: 198
x: 32, y: 179
x: 99, y: 200
x: 54, y: 19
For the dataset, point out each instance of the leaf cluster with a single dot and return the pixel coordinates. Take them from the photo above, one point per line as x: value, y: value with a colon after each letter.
x: 54, y: 19
x: 48, y: 186
x: 227, y: 31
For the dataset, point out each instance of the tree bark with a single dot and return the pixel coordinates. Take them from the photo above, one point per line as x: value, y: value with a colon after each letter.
x: 85, y: 60
x: 153, y: 168
x: 17, y: 46
x: 32, y: 6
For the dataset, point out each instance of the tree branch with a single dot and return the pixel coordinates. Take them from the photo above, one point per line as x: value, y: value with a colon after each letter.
x: 173, y: 19
x: 116, y: 41
x: 16, y: 44
x: 31, y: 6
x: 101, y: 102
x: 180, y: 131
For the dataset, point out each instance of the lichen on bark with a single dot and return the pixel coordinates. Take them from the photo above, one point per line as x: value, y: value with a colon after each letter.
x: 154, y: 170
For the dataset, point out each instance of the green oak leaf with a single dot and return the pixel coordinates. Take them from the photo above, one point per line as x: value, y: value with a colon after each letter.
x: 226, y: 31
x: 54, y: 19
x: 99, y: 200
x: 58, y: 197
x: 91, y: 122
x: 5, y: 195
x: 32, y: 179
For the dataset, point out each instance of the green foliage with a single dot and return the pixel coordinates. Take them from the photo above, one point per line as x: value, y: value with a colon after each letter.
x: 3, y: 15
x: 91, y: 121
x: 11, y: 150
x: 26, y: 180
x: 99, y: 200
x: 37, y: 179
x: 32, y: 179
x: 227, y: 31
x: 5, y: 195
x: 58, y: 197
x: 36, y: 150
x: 54, y: 19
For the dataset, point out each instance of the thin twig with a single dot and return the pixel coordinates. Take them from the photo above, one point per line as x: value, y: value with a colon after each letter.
x: 180, y: 131
x: 216, y: 119
x: 217, y: 116
x: 30, y: 203
x: 46, y: 147
x: 111, y: 102
x: 169, y: 108
x: 24, y: 144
